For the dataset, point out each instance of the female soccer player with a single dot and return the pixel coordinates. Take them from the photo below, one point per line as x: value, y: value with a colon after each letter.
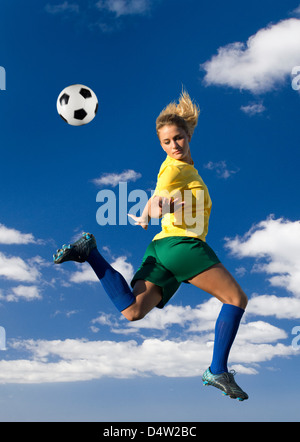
x: 179, y: 253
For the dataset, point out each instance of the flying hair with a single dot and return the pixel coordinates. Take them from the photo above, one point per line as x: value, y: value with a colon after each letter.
x: 183, y: 114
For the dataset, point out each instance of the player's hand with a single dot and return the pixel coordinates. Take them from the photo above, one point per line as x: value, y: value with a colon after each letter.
x: 161, y: 206
x: 139, y: 221
x: 171, y: 205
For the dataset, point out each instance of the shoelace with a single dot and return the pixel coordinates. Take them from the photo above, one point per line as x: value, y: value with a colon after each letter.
x: 230, y: 379
x: 229, y: 376
x: 232, y: 372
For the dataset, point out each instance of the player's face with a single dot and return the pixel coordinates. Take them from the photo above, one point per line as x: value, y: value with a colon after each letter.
x: 175, y: 142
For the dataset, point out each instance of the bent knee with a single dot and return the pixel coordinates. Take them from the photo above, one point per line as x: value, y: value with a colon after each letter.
x: 133, y: 314
x: 243, y: 300
x: 239, y: 299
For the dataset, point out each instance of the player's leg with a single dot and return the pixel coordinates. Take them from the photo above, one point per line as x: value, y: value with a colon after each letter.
x: 147, y: 296
x: 134, y: 304
x: 85, y: 249
x: 220, y: 283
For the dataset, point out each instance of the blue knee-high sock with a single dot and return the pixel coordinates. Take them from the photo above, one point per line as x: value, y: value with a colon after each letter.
x: 225, y: 332
x: 113, y: 282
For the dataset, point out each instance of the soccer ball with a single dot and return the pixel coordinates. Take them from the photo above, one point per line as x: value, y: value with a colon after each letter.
x: 77, y: 105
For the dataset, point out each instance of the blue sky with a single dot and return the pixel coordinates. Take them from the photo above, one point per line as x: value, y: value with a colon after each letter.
x: 69, y: 354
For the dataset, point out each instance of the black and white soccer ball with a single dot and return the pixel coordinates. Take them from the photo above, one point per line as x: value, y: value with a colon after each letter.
x: 77, y: 105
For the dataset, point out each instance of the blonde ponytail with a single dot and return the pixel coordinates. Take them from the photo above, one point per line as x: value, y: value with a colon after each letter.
x: 185, y: 114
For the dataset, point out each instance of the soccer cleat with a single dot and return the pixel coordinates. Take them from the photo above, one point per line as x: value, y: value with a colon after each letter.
x: 226, y: 383
x: 78, y: 251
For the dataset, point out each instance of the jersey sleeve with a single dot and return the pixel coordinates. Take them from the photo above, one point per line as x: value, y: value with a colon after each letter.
x: 169, y: 182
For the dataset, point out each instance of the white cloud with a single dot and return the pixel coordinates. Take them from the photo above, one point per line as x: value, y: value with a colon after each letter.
x: 260, y: 65
x: 271, y: 305
x: 188, y: 355
x: 221, y: 168
x: 275, y: 243
x: 125, y: 7
x: 125, y: 268
x: 87, y: 274
x: 253, y: 109
x: 113, y: 179
x: 74, y: 360
x: 105, y: 319
x: 240, y: 271
x: 13, y: 236
x: 108, y: 15
x: 22, y: 292
x: 62, y: 7
x: 259, y: 332
x: 17, y: 269
x: 200, y: 318
x: 296, y: 11
x: 258, y: 353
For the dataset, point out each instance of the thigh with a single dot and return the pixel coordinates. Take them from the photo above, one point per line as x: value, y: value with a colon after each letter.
x: 153, y: 278
x: 185, y: 257
x: 218, y: 282
x: 147, y: 296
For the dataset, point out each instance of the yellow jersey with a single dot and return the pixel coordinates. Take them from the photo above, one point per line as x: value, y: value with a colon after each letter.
x: 177, y: 179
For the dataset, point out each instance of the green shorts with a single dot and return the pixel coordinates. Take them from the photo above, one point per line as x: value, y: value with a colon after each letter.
x: 170, y: 261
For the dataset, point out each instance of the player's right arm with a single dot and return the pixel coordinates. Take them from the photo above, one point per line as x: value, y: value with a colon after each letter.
x: 157, y: 207
x: 165, y: 198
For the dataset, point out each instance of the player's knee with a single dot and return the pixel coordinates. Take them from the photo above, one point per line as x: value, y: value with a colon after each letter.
x: 245, y: 300
x: 132, y: 317
x: 240, y: 299
x: 133, y: 314
x: 235, y: 297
